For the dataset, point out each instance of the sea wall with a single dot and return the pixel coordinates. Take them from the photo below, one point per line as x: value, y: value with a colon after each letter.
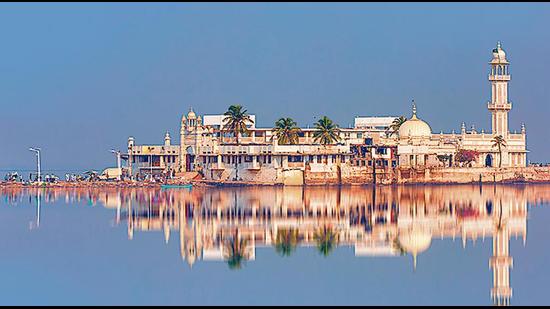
x: 468, y: 175
x: 360, y: 175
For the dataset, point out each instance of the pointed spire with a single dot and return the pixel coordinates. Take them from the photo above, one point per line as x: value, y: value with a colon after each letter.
x: 413, y: 110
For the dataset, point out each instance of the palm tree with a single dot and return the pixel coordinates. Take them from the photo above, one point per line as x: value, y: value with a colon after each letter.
x: 396, y: 124
x: 286, y: 241
x: 235, y: 251
x: 326, y: 240
x: 286, y: 131
x: 499, y: 142
x: 236, y: 121
x: 326, y: 132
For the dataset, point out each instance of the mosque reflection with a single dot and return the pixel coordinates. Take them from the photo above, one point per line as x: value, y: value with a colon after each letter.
x: 229, y: 224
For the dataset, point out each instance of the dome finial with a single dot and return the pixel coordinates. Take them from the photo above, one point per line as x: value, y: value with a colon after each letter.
x: 413, y: 109
x: 499, y: 46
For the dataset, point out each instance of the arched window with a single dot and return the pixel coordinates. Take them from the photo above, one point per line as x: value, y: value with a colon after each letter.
x: 489, y: 160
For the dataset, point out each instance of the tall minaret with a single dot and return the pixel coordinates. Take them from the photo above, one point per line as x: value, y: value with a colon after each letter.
x: 499, y: 105
x: 501, y: 262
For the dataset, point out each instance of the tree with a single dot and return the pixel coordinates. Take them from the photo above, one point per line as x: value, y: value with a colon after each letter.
x: 499, y: 142
x: 396, y: 124
x: 286, y: 241
x: 399, y: 247
x: 286, y: 131
x: 466, y: 156
x: 236, y: 121
x: 326, y: 240
x: 235, y: 251
x: 326, y: 132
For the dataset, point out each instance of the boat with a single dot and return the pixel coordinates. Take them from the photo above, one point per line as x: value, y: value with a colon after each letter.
x: 182, y: 186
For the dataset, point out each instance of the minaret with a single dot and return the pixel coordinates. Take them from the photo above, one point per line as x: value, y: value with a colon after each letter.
x: 499, y: 106
x: 501, y: 262
x: 167, y: 139
x: 182, y: 160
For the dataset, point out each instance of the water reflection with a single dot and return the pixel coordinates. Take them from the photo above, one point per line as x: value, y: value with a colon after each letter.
x: 229, y: 224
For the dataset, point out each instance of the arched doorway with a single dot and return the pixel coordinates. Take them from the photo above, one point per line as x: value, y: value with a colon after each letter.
x: 489, y: 160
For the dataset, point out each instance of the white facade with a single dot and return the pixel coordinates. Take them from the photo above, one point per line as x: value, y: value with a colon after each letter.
x: 381, y: 123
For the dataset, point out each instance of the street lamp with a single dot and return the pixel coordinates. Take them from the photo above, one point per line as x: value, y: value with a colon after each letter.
x: 37, y: 151
x: 117, y: 153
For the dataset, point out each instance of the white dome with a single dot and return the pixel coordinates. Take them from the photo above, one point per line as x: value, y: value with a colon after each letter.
x: 191, y: 114
x: 414, y: 127
x: 499, y: 55
x: 415, y: 241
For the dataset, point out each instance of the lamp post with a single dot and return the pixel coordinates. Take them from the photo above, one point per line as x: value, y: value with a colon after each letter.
x: 117, y: 153
x: 37, y: 151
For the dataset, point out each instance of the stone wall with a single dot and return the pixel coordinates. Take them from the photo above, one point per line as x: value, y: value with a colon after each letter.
x: 360, y: 175
x: 475, y: 174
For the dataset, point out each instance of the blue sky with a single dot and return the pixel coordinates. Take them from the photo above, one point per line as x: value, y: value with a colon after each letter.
x: 78, y: 79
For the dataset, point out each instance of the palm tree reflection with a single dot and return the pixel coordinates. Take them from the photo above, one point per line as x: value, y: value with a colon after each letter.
x: 327, y: 240
x: 286, y: 241
x: 235, y: 251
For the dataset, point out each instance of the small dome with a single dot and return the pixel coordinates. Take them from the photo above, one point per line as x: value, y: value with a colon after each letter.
x: 414, y: 127
x: 499, y: 55
x: 191, y: 114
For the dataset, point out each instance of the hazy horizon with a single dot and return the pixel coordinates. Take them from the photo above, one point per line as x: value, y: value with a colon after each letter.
x: 80, y: 78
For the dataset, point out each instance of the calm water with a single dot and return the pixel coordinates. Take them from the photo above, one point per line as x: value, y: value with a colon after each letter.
x: 394, y: 245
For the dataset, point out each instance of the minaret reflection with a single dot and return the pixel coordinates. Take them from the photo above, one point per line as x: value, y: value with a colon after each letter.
x: 228, y: 224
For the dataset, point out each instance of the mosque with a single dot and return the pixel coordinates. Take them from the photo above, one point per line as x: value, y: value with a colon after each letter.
x: 417, y: 145
x: 208, y: 150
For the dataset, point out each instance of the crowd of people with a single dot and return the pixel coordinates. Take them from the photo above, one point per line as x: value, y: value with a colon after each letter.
x: 88, y: 176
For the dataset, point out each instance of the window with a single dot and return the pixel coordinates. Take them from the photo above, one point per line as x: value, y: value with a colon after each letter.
x: 246, y: 159
x: 381, y: 150
x: 368, y: 141
x: 295, y: 159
